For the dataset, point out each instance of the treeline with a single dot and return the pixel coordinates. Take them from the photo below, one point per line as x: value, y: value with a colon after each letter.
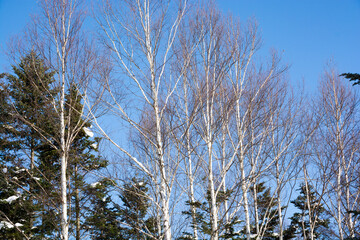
x: 205, y: 140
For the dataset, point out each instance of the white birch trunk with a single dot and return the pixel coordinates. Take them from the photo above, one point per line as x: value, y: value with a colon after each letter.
x: 190, y: 163
x: 340, y: 167
x: 244, y: 189
x: 63, y: 179
x: 63, y: 147
x: 278, y: 194
x: 256, y: 210
x: 223, y: 167
x: 213, y: 206
x: 308, y: 205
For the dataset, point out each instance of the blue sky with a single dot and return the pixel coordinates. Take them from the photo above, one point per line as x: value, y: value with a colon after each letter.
x: 14, y: 15
x: 308, y: 33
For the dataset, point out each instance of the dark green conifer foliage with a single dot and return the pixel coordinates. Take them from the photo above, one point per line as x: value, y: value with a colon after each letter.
x: 32, y: 98
x: 131, y: 220
x: 5, y: 121
x: 352, y: 77
x: 16, y: 211
x: 300, y: 223
x: 356, y: 217
x: 199, y: 218
x: 227, y: 230
x: 103, y: 218
x: 268, y: 212
x: 83, y: 158
x: 30, y: 125
x: 134, y: 211
x: 28, y: 105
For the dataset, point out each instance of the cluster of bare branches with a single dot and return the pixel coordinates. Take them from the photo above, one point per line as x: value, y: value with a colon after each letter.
x: 210, y: 122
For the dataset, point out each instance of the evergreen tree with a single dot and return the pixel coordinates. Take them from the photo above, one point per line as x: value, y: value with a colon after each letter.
x: 300, y: 222
x: 83, y: 158
x: 103, y: 217
x: 268, y: 212
x: 15, y: 209
x: 30, y: 125
x: 268, y: 215
x: 32, y: 98
x: 134, y: 211
x: 227, y: 230
x: 356, y: 217
x: 5, y: 121
x: 28, y: 104
x: 131, y: 220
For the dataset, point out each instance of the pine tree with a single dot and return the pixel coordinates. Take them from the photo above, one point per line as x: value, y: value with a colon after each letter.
x: 83, y: 158
x: 226, y: 230
x: 28, y: 112
x: 300, y: 222
x: 130, y: 220
x: 268, y: 212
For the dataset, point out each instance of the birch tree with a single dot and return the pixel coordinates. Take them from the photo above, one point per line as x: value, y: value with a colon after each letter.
x: 336, y: 156
x: 210, y: 75
x: 229, y: 95
x: 56, y: 34
x: 289, y: 138
x: 140, y: 35
x: 254, y: 113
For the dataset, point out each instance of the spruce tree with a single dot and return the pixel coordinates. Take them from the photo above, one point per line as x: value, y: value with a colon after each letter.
x: 129, y: 220
x: 31, y: 126
x: 227, y: 230
x: 83, y: 158
x: 32, y: 97
x: 268, y: 216
x: 268, y: 212
x: 29, y: 103
x: 355, y: 77
x: 103, y: 217
x: 300, y: 221
x: 134, y: 211
x: 14, y: 209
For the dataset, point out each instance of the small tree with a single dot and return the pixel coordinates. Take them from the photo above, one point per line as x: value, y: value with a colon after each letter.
x: 102, y: 218
x: 16, y: 208
x: 131, y: 220
x: 134, y: 213
x: 227, y: 229
x: 267, y: 212
x: 310, y: 223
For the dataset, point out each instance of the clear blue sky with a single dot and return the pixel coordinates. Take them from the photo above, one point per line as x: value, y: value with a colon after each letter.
x: 14, y: 15
x: 308, y: 33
